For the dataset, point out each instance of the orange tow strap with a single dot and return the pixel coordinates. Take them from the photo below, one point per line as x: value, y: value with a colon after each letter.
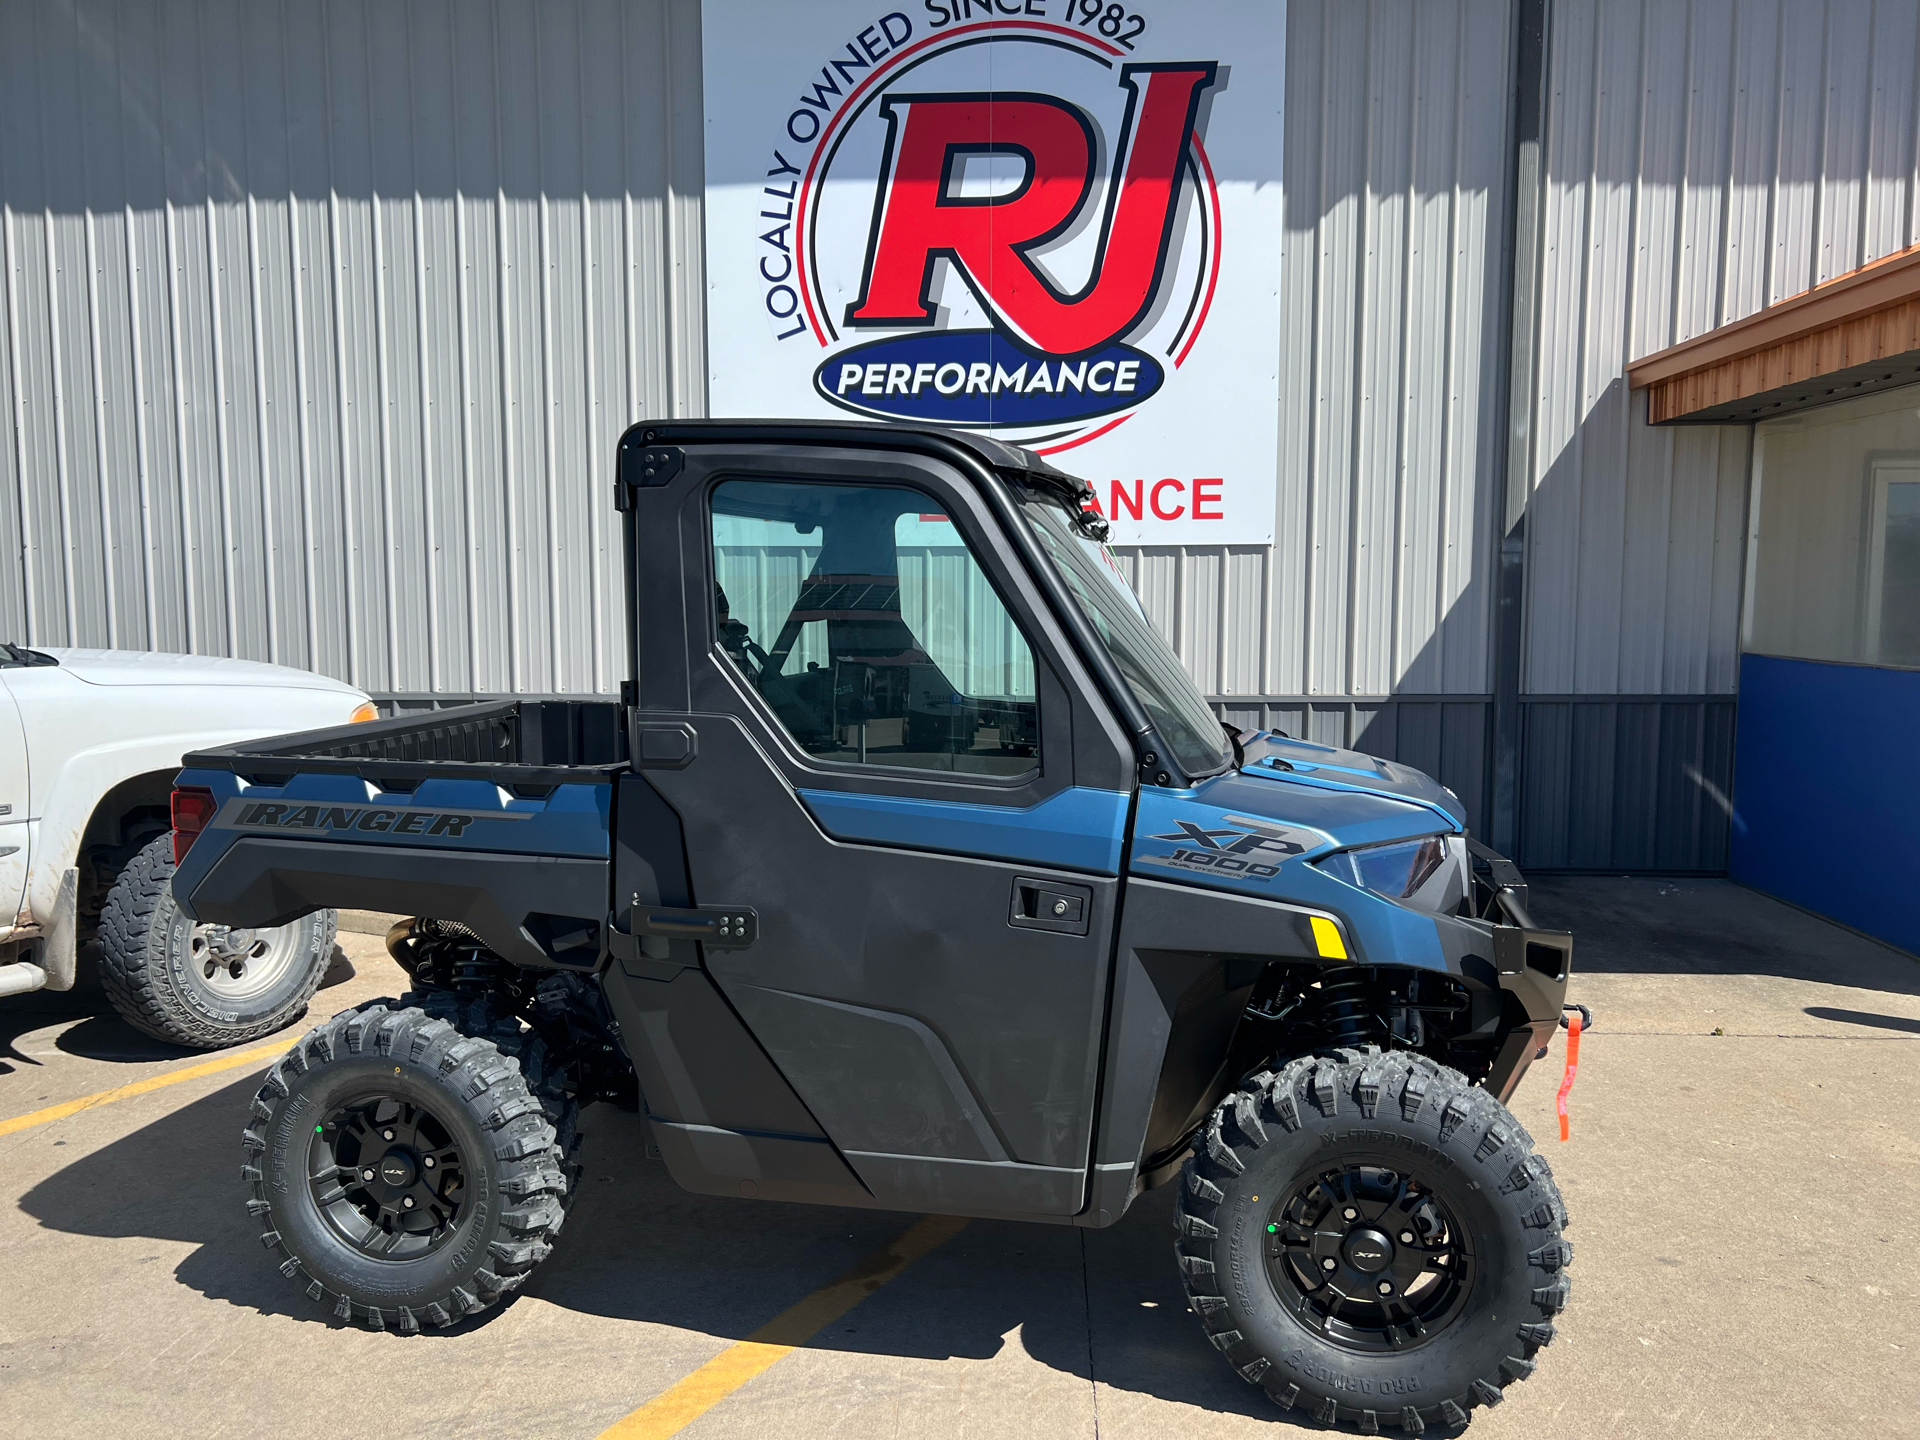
x: 1573, y: 1066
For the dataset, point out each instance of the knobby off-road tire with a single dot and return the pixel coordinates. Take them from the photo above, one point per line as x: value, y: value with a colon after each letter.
x: 546, y: 1081
x: 153, y: 962
x: 1293, y: 1216
x: 472, y: 1144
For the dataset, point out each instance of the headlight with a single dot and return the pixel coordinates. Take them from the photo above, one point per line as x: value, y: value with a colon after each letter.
x: 1429, y: 873
x: 363, y: 713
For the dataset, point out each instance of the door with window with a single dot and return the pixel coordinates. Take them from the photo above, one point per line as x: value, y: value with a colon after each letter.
x: 886, y: 772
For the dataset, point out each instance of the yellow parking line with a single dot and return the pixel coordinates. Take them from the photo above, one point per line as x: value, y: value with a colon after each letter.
x: 681, y: 1404
x: 257, y: 1056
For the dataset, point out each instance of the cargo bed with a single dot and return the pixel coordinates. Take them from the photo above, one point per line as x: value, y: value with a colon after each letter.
x: 495, y: 815
x: 520, y: 744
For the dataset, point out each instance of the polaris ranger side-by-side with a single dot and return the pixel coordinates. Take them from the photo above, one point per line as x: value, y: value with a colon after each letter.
x: 910, y: 871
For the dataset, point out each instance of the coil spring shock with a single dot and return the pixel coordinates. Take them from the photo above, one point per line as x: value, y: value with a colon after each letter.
x: 1345, y: 1012
x: 445, y: 955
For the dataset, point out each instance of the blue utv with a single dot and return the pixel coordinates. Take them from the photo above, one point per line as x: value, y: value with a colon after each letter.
x: 909, y: 870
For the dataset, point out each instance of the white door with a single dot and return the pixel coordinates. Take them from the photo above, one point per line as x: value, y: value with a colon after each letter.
x: 13, y: 807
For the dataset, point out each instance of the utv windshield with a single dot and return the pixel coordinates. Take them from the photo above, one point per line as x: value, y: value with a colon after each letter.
x: 1172, y: 701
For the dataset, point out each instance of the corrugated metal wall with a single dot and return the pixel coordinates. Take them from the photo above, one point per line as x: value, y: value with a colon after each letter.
x: 321, y: 321
x: 1704, y: 158
x: 1396, y: 162
x: 1367, y: 622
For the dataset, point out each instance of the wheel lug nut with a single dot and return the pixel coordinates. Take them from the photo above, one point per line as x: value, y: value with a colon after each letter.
x: 1406, y: 1237
x: 428, y: 1162
x: 1386, y: 1287
x: 1327, y: 1264
x: 389, y: 1135
x: 1349, y: 1212
x: 366, y: 1174
x: 408, y: 1202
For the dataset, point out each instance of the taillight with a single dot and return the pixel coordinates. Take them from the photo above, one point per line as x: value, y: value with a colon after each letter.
x: 193, y: 808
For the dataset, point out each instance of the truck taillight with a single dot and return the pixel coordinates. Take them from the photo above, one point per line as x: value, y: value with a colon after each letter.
x: 193, y: 808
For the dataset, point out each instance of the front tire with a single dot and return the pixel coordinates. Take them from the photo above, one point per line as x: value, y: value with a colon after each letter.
x: 207, y: 986
x: 401, y: 1172
x: 1372, y: 1241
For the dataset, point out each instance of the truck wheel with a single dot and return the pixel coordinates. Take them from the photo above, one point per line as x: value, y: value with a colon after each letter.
x: 401, y: 1172
x: 207, y: 986
x: 1372, y: 1241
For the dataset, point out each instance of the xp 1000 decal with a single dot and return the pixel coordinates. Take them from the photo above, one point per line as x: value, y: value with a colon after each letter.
x: 1054, y: 221
x: 1236, y: 847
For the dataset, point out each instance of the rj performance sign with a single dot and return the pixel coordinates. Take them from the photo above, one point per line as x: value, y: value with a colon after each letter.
x: 1054, y: 220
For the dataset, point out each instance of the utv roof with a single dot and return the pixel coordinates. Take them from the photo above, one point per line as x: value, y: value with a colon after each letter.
x: 1013, y: 461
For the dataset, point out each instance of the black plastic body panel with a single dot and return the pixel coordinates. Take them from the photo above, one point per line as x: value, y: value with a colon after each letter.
x: 264, y: 880
x: 709, y: 1160
x: 725, y: 1119
x: 1187, y: 960
x: 510, y: 742
x: 950, y: 1057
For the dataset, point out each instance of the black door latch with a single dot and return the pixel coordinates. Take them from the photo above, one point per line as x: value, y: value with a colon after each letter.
x: 723, y: 927
x: 1064, y: 908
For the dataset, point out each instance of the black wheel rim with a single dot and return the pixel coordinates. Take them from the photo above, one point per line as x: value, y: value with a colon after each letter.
x: 388, y: 1177
x: 1369, y: 1258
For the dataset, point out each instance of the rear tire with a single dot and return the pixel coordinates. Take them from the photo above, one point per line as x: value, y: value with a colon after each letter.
x: 207, y: 986
x: 379, y: 1106
x: 1372, y: 1241
x: 546, y: 1082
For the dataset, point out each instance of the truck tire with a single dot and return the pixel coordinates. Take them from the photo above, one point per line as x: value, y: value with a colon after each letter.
x: 207, y: 986
x: 1372, y: 1241
x: 401, y: 1172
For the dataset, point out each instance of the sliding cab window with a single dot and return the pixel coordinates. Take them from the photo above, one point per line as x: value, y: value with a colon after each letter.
x: 864, y: 621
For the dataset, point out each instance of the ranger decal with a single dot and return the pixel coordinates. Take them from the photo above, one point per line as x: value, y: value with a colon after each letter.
x: 374, y: 819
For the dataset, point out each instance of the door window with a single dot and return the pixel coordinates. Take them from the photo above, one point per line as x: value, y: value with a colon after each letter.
x: 867, y: 625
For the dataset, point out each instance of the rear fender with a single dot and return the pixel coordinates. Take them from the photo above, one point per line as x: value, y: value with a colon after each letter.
x: 527, y: 873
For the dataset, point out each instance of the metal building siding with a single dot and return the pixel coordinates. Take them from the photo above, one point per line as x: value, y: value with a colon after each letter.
x: 1379, y: 577
x: 1704, y: 159
x: 1635, y: 783
x: 321, y: 321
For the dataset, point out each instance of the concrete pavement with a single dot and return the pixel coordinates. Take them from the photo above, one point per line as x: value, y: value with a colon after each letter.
x: 1742, y: 1204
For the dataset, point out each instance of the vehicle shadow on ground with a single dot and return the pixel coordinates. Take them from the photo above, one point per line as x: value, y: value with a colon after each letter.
x: 637, y: 1247
x: 1865, y: 1017
x: 1649, y: 925
x: 102, y: 1034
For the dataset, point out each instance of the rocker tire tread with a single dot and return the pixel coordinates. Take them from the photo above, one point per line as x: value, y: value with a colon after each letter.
x: 475, y: 1074
x: 1479, y: 1131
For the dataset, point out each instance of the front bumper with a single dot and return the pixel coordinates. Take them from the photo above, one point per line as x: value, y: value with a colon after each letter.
x: 1533, y: 966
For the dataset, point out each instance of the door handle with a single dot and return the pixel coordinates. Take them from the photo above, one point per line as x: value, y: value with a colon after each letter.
x: 724, y: 927
x: 1056, y: 905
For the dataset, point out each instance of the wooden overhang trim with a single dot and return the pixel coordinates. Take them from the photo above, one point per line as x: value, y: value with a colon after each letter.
x: 1816, y: 332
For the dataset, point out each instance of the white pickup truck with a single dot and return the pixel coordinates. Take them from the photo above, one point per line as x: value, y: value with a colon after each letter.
x: 90, y: 741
